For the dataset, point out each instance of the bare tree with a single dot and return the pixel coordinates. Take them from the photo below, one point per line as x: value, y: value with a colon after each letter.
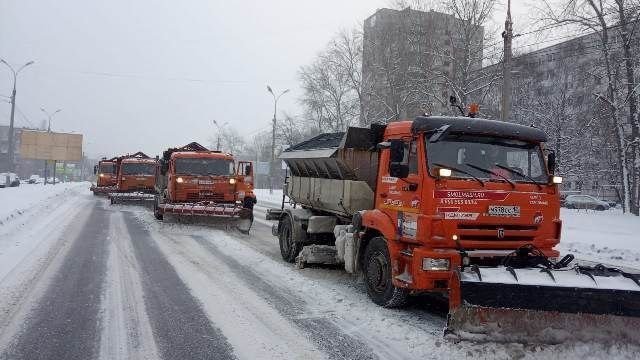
x: 331, y: 84
x: 614, y: 22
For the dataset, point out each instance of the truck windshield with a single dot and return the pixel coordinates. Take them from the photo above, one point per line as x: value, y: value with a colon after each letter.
x: 107, y: 168
x: 187, y: 166
x: 138, y: 169
x: 487, y: 157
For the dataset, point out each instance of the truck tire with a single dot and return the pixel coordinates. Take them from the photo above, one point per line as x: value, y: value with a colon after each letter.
x: 376, y: 266
x: 156, y: 209
x: 289, y: 247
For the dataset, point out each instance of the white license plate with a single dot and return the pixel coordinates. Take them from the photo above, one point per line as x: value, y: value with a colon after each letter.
x: 511, y: 211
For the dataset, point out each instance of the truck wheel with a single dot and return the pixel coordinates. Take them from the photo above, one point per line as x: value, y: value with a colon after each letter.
x: 156, y: 209
x: 377, y: 273
x: 289, y: 248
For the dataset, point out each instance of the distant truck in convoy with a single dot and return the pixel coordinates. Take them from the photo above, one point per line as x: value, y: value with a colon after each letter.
x: 106, y: 176
x: 135, y: 180
x: 463, y: 207
x: 195, y: 182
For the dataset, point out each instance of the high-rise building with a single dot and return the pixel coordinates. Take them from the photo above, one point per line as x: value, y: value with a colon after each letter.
x: 413, y: 61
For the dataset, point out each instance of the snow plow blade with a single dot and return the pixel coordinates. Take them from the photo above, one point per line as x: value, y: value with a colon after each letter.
x: 102, y: 190
x: 543, y: 306
x: 132, y: 198
x: 211, y: 213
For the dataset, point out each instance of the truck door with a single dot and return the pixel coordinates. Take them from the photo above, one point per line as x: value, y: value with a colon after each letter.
x: 399, y: 185
x: 245, y: 169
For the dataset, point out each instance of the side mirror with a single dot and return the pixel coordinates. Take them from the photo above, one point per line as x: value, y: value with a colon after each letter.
x: 396, y: 166
x: 551, y: 162
x: 248, y: 171
x: 399, y: 170
x: 397, y: 151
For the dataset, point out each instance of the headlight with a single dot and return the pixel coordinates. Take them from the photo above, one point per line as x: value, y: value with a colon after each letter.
x: 444, y: 172
x: 179, y: 180
x: 556, y: 179
x: 430, y: 264
x: 232, y: 181
x: 101, y: 175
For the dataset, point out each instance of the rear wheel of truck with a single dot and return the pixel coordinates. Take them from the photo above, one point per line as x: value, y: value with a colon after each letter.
x: 289, y: 248
x: 376, y: 266
x: 156, y: 208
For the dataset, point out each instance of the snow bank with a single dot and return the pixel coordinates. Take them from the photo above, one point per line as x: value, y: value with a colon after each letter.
x: 268, y: 200
x: 608, y: 236
x: 14, y: 201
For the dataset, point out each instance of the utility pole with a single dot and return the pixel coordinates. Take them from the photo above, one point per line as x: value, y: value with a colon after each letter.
x: 10, y: 152
x: 273, y: 136
x: 507, y: 36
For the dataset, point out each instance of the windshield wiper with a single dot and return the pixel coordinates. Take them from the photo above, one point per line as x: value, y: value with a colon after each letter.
x: 439, y: 133
x: 460, y: 171
x: 525, y: 176
x: 487, y: 171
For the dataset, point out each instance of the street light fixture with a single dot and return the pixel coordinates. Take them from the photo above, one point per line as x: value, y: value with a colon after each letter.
x: 220, y: 128
x: 273, y: 135
x: 13, y: 110
x: 49, y: 116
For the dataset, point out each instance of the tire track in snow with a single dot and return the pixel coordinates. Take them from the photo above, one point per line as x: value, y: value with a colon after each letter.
x: 126, y: 331
x: 180, y: 326
x: 64, y: 323
x: 31, y: 272
x: 239, y: 311
x: 321, y: 330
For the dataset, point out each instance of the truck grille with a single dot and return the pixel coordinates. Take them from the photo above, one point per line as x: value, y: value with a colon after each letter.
x: 195, y: 197
x: 497, y: 233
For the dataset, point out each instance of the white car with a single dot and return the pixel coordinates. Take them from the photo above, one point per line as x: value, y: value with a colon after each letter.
x: 9, y: 180
x: 585, y: 202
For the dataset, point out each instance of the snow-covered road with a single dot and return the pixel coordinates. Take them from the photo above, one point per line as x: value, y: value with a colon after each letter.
x: 82, y: 279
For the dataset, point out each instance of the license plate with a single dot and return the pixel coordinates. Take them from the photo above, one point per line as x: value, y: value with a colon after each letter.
x: 510, y: 211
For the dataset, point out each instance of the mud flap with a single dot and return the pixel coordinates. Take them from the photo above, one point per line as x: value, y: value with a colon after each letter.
x: 549, y: 307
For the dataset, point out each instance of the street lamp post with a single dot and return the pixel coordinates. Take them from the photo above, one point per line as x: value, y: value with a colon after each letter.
x: 273, y: 135
x: 10, y: 152
x: 220, y: 128
x: 49, y: 116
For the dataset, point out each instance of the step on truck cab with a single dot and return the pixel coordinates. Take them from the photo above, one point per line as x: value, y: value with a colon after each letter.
x: 195, y: 182
x: 463, y: 207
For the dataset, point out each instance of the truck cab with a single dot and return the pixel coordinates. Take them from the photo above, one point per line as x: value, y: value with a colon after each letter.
x: 208, y: 176
x: 106, y: 173
x: 137, y: 174
x: 455, y: 191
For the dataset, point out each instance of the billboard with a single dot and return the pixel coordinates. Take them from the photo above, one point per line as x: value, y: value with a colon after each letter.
x: 42, y: 145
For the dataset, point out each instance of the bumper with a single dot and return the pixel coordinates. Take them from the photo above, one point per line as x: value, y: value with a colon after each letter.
x: 208, y: 209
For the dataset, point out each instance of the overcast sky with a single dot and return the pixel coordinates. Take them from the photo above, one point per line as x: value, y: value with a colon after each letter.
x: 148, y: 74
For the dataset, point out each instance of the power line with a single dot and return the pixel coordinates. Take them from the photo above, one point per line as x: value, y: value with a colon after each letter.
x: 24, y: 117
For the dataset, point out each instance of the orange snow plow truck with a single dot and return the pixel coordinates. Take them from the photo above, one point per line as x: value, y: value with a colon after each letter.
x: 197, y: 183
x: 106, y: 173
x: 135, y: 180
x: 462, y: 207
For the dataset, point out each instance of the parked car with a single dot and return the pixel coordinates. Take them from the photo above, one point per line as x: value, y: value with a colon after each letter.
x: 9, y: 180
x: 585, y: 202
x: 35, y: 179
